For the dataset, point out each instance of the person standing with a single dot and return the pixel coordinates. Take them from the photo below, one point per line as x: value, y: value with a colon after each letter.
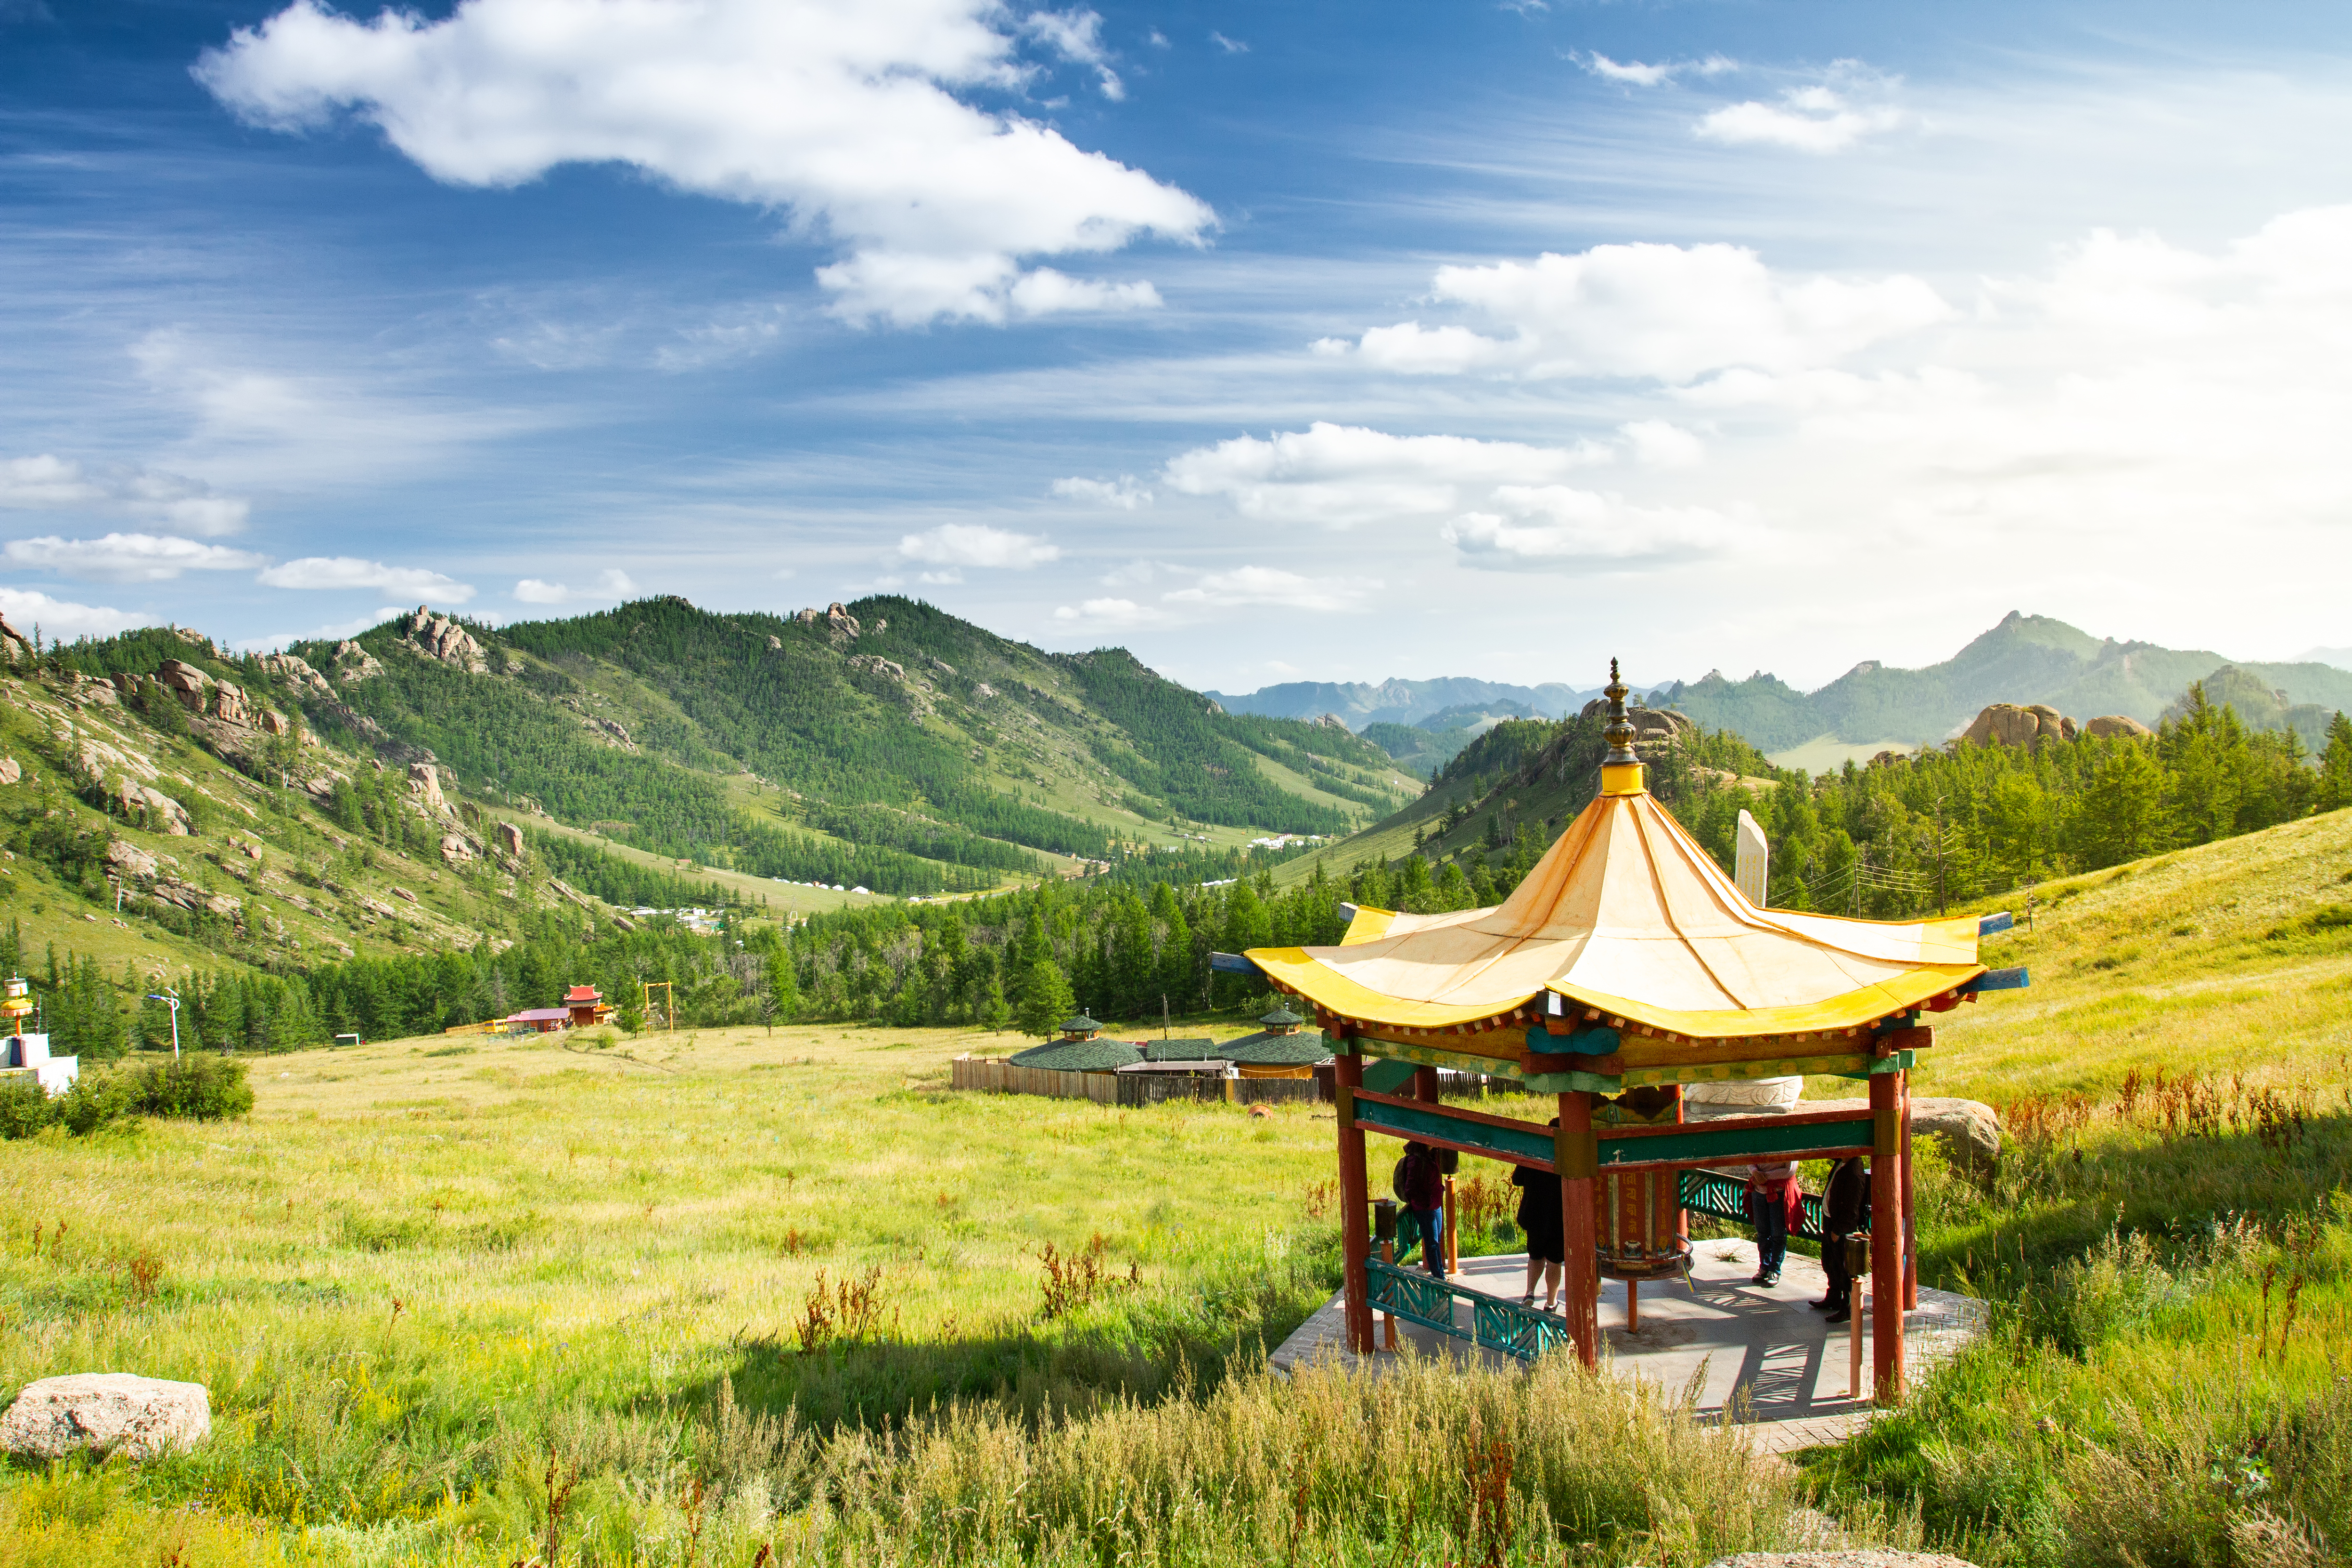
x: 1775, y: 1206
x: 1539, y: 1219
x: 1419, y: 1183
x: 1845, y: 1210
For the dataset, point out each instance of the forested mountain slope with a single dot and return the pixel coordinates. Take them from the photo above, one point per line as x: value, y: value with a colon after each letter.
x: 883, y: 743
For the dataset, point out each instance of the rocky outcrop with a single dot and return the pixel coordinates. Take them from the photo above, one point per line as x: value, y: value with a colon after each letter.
x: 1330, y: 721
x: 457, y: 848
x: 9, y: 771
x: 510, y: 840
x: 297, y: 673
x: 14, y: 644
x: 606, y: 729
x: 1652, y: 726
x: 874, y: 663
x: 837, y: 620
x: 441, y: 638
x: 129, y: 860
x: 162, y: 813
x: 775, y: 643
x: 108, y: 1413
x: 353, y: 662
x: 983, y: 690
x: 942, y: 666
x: 2110, y: 724
x: 2013, y: 725
x: 424, y: 783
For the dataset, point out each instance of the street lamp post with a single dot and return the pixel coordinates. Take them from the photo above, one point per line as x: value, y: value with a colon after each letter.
x: 171, y: 1001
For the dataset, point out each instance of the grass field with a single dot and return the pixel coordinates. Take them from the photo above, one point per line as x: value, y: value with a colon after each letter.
x: 679, y: 1300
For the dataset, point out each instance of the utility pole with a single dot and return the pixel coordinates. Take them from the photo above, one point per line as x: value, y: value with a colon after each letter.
x: 172, y: 1000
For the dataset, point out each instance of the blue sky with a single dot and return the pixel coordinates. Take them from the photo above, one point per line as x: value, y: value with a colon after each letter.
x: 1310, y: 341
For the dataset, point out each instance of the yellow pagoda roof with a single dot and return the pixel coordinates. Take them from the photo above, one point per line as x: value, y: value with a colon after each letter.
x: 1628, y: 918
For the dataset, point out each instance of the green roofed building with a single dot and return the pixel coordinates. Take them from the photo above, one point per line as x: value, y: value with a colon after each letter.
x: 1182, y: 1051
x: 1086, y: 1054
x: 1277, y: 1050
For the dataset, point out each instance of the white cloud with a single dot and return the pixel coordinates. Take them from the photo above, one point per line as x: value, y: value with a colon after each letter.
x: 976, y: 544
x: 129, y: 557
x: 333, y: 631
x: 1634, y: 73
x: 612, y: 583
x: 1231, y: 46
x: 27, y: 609
x: 1077, y: 37
x: 1340, y: 475
x: 844, y: 111
x: 1662, y: 444
x: 1248, y: 585
x: 1137, y: 573
x: 48, y: 483
x: 1854, y: 103
x: 1123, y: 492
x: 1668, y: 312
x: 1108, y: 614
x: 332, y: 571
x: 1556, y: 526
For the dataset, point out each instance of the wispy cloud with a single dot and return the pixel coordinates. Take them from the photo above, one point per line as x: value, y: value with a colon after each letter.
x: 129, y: 557
x: 1851, y: 105
x: 976, y: 544
x: 28, y: 609
x: 49, y: 483
x: 345, y: 572
x: 611, y: 584
x: 1123, y: 492
x: 1636, y: 73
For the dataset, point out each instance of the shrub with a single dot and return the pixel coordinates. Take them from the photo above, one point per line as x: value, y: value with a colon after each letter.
x: 199, y: 1086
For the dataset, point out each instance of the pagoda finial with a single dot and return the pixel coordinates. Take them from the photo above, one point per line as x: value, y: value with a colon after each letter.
x: 1621, y: 729
x: 1621, y: 770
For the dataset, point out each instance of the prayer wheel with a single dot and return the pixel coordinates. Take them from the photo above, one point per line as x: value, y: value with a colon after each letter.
x: 1638, y: 1223
x: 1638, y: 1213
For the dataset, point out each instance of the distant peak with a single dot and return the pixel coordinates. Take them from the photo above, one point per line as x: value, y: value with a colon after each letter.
x: 2011, y: 618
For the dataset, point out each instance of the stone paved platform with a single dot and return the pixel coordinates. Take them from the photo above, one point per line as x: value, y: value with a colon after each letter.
x: 1764, y: 1355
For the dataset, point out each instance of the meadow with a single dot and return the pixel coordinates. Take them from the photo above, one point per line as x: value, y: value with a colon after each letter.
x: 743, y: 1297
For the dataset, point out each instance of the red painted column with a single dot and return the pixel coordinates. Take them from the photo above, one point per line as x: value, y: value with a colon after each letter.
x: 1886, y: 1185
x: 1355, y: 1200
x: 1424, y: 1084
x: 1910, y: 1211
x: 1577, y: 1158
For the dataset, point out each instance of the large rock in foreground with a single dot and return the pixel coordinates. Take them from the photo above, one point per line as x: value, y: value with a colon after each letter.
x: 2107, y: 724
x: 106, y: 1413
x: 1968, y: 1130
x: 1850, y: 1558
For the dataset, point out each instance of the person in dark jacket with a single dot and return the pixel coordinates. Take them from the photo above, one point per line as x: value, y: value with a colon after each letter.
x: 1845, y: 1210
x: 1420, y: 1182
x: 1776, y: 1206
x: 1540, y: 1218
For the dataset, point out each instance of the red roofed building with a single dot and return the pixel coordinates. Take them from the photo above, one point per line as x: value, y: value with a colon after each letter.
x: 586, y: 1004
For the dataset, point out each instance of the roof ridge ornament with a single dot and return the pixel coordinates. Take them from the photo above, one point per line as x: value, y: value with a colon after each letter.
x: 1621, y: 770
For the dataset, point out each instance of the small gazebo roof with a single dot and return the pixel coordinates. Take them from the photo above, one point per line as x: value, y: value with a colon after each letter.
x: 1628, y: 918
x: 1078, y: 1056
x: 1281, y: 1019
x: 1268, y: 1049
x: 1081, y: 1025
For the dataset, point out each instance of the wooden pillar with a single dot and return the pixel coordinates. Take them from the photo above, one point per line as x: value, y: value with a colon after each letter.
x: 1355, y: 1202
x: 1424, y: 1084
x: 1577, y: 1158
x: 1910, y: 1211
x: 1886, y: 1235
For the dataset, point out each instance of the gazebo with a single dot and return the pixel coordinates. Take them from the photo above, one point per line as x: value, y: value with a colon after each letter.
x: 1626, y: 965
x: 1080, y: 1048
x: 1279, y: 1050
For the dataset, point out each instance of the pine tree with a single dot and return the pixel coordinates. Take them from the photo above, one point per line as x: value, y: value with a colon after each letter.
x: 1045, y: 999
x: 2123, y: 814
x: 2336, y: 765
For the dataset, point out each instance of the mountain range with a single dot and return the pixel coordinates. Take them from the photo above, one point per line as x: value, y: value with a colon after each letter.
x: 1397, y: 701
x: 2024, y: 659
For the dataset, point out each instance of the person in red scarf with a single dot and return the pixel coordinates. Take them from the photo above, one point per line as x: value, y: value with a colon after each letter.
x: 1776, y: 1206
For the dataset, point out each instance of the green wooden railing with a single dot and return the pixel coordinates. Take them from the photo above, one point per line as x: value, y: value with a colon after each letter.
x: 1726, y: 1198
x: 1496, y: 1323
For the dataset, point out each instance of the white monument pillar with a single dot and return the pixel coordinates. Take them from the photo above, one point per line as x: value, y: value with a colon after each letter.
x: 1752, y: 865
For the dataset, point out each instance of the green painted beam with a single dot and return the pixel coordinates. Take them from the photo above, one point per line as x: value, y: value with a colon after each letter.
x: 1735, y: 1140
x: 1505, y: 1142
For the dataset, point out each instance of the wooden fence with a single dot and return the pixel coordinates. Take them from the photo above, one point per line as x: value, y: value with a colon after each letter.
x: 988, y: 1074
